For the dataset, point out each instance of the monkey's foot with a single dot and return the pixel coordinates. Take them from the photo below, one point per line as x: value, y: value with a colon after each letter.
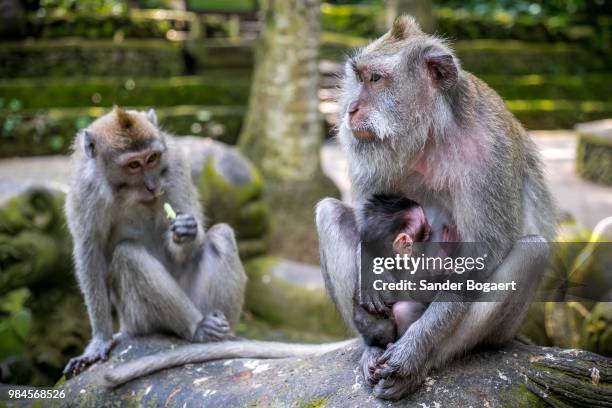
x: 368, y: 364
x: 403, y: 244
x: 393, y: 388
x: 97, y: 350
x: 214, y: 327
x: 400, y: 371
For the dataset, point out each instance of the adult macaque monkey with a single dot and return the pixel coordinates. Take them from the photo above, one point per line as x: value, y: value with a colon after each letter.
x: 161, y: 276
x: 415, y: 124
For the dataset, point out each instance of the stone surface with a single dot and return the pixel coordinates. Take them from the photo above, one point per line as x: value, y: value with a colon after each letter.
x: 488, y: 378
x: 601, y: 128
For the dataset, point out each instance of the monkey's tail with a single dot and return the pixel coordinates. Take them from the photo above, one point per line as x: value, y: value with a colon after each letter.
x: 202, y: 352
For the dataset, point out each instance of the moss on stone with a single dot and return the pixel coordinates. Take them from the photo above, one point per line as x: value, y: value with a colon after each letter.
x: 578, y: 87
x: 597, y: 330
x: 521, y: 396
x: 594, y: 158
x: 284, y: 304
x: 238, y: 204
x: 215, y: 88
x: 69, y: 57
x: 316, y: 403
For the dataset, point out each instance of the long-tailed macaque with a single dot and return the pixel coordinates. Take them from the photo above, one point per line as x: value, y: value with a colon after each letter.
x: 160, y: 275
x: 417, y: 125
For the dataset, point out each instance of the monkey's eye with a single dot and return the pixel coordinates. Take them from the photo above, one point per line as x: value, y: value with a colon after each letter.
x: 375, y: 77
x: 152, y: 158
x: 134, y: 164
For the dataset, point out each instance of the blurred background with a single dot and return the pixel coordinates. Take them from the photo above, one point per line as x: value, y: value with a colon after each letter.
x: 250, y: 86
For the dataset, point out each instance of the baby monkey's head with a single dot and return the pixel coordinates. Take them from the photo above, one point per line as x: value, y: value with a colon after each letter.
x: 129, y: 148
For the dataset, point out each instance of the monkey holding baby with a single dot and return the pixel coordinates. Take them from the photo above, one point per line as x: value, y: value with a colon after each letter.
x: 416, y: 125
x: 161, y: 276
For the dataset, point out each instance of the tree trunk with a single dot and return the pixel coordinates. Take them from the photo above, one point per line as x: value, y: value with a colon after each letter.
x: 515, y: 376
x: 282, y: 131
x: 419, y: 9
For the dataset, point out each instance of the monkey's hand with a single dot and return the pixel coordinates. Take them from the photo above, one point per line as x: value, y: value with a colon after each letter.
x: 374, y: 302
x: 97, y: 350
x: 184, y: 228
x: 214, y: 327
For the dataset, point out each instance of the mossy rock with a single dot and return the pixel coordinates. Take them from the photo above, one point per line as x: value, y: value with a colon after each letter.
x: 594, y: 153
x: 515, y: 376
x: 598, y: 330
x: 35, y: 248
x: 42, y: 316
x: 290, y: 295
x: 231, y: 189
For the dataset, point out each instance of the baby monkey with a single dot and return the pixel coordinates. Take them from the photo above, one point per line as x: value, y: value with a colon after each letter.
x: 390, y: 225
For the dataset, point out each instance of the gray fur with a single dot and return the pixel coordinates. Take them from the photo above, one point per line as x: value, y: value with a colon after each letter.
x: 173, y: 277
x: 199, y: 353
x: 453, y: 148
x: 126, y: 251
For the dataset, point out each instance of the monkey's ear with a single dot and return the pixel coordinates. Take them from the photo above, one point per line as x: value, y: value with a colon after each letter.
x: 88, y: 144
x: 442, y: 69
x: 152, y: 116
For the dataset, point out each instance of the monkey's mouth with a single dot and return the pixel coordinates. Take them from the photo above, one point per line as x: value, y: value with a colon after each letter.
x: 149, y: 198
x: 363, y: 134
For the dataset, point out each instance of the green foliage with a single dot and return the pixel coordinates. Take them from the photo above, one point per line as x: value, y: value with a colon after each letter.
x: 562, y: 8
x: 471, y: 23
x: 50, y: 131
x: 359, y: 20
x: 89, y: 6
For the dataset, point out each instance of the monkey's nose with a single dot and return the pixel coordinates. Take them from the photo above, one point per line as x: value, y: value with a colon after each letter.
x: 353, y: 107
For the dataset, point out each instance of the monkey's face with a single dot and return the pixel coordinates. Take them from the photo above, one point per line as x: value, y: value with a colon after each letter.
x: 137, y: 175
x: 394, y: 95
x: 369, y: 99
